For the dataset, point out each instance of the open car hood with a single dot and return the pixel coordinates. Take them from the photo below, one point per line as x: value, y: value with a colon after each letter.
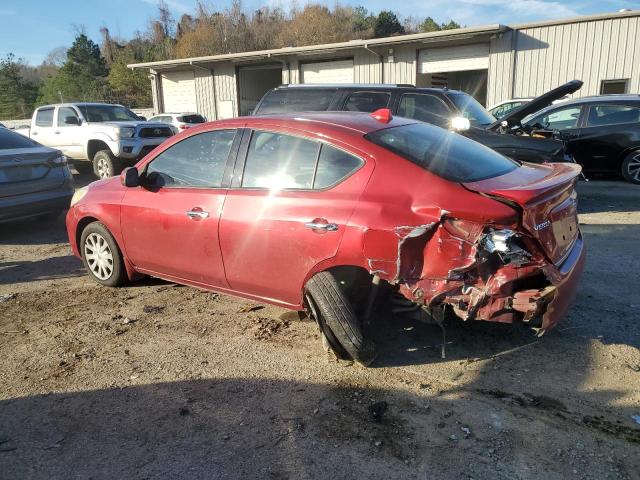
x: 538, y: 103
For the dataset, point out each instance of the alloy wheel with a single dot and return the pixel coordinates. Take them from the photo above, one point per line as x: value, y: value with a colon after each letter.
x: 103, y: 168
x: 633, y: 167
x: 98, y: 256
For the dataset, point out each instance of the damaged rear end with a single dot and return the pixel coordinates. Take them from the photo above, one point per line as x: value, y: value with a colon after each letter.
x: 521, y: 265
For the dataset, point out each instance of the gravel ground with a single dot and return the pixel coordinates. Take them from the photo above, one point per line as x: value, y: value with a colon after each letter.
x: 158, y: 380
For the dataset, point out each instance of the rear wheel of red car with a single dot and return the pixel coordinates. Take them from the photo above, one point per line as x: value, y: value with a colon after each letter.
x: 101, y: 256
x: 631, y: 167
x: 105, y: 164
x: 337, y: 320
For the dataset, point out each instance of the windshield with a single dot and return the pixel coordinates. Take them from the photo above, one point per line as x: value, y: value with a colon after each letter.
x: 107, y: 113
x: 10, y: 140
x: 444, y: 153
x: 471, y: 109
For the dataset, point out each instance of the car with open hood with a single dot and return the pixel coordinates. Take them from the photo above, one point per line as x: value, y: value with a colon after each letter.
x: 317, y: 211
x: 451, y: 109
x: 602, y: 133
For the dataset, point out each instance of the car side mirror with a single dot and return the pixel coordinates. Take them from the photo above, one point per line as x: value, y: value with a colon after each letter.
x: 130, y: 177
x: 71, y: 120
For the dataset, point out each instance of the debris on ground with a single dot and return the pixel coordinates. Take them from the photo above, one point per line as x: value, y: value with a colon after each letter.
x: 7, y: 297
x: 268, y: 327
x: 153, y: 309
x: 251, y: 307
x: 377, y: 410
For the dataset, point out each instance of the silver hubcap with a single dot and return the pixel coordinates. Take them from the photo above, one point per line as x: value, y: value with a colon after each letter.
x: 103, y: 168
x: 99, y: 256
x: 633, y: 167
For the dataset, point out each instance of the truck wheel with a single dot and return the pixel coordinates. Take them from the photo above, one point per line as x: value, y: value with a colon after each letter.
x: 83, y: 167
x: 105, y: 164
x: 101, y: 255
x: 631, y: 167
x: 340, y: 326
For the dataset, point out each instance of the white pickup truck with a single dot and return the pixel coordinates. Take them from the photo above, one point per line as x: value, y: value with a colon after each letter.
x: 97, y: 136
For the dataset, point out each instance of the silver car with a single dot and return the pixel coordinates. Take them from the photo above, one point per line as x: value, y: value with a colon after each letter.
x: 34, y: 180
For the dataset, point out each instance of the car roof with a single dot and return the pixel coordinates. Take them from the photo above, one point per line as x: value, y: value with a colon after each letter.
x: 366, y: 86
x: 81, y: 104
x: 360, y: 122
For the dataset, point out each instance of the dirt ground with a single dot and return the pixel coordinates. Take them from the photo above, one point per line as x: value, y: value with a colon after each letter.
x: 161, y: 381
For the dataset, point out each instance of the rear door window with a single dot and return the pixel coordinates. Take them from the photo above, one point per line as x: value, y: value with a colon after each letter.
x: 600, y: 115
x: 297, y: 99
x: 277, y: 161
x: 426, y: 108
x: 334, y: 165
x: 446, y: 154
x: 366, y: 101
x: 44, y: 117
x: 196, y: 161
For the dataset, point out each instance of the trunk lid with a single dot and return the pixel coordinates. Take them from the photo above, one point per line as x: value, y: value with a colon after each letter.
x: 548, y: 200
x: 537, y: 104
x: 28, y: 170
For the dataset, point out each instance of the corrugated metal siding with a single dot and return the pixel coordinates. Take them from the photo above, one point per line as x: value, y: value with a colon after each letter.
x: 366, y: 67
x: 589, y: 51
x: 205, y: 97
x: 403, y: 67
x: 224, y: 76
x: 294, y: 71
x: 500, y: 77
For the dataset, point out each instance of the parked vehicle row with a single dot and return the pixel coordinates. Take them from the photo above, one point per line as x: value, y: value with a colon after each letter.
x: 320, y: 209
x: 450, y: 109
x: 34, y: 180
x: 97, y: 137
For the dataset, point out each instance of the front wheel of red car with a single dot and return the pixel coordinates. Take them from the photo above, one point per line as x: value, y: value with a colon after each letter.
x: 631, y: 167
x: 101, y: 255
x: 333, y: 313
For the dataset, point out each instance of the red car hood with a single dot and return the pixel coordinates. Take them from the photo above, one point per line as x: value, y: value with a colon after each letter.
x: 547, y: 198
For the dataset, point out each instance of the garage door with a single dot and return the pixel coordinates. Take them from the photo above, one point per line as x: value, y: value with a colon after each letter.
x: 454, y: 59
x: 338, y: 71
x: 179, y: 92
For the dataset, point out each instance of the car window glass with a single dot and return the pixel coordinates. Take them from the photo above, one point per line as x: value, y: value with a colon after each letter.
x: 297, y: 99
x: 197, y: 161
x: 191, y: 119
x: 426, y: 108
x: 366, y: 101
x: 471, y: 109
x: 63, y: 113
x: 10, y: 140
x: 560, y: 119
x: 333, y: 166
x: 612, y: 114
x: 44, y: 117
x: 446, y: 154
x: 278, y: 161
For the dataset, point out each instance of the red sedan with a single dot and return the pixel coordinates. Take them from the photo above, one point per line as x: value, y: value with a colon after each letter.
x: 315, y: 211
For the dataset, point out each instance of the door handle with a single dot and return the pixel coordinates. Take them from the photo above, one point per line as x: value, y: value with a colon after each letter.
x: 327, y: 227
x: 34, y: 133
x: 197, y: 214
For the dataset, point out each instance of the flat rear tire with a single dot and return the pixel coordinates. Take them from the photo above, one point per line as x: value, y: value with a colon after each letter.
x: 335, y: 316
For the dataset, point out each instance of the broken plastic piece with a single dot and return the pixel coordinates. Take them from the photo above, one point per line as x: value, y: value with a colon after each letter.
x: 382, y: 115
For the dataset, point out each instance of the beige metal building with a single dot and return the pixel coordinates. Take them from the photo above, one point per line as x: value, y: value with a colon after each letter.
x: 493, y: 62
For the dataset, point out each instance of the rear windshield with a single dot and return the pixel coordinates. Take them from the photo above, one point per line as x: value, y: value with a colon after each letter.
x: 444, y: 153
x: 295, y: 100
x: 472, y: 110
x: 9, y: 140
x: 191, y: 119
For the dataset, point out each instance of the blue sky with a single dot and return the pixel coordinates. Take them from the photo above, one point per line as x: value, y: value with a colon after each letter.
x: 32, y: 28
